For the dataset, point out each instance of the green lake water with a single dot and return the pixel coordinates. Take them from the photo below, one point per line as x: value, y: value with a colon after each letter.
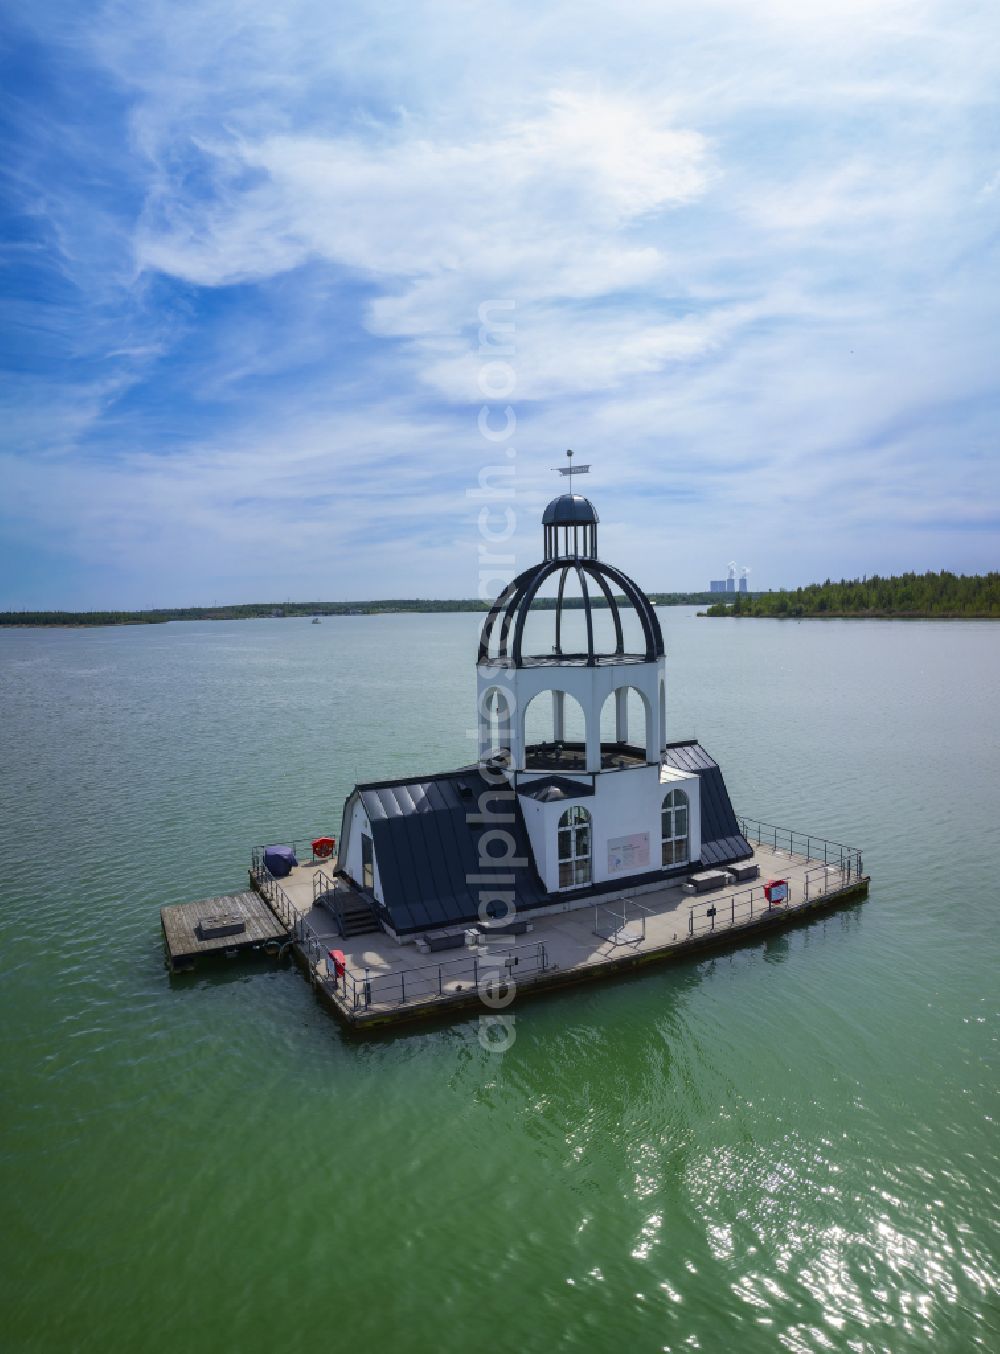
x: 789, y: 1146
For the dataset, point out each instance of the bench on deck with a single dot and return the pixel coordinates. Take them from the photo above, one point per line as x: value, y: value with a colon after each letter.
x: 443, y: 940
x: 743, y: 872
x: 708, y: 880
x: 509, y: 928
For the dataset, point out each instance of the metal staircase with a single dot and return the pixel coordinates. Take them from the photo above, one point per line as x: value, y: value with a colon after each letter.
x: 353, y: 912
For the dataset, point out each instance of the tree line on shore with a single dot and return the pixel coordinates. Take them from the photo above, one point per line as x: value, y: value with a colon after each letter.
x: 264, y: 610
x: 974, y: 596
x: 944, y: 595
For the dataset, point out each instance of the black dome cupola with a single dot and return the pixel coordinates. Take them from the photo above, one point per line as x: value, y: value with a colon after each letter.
x: 570, y: 527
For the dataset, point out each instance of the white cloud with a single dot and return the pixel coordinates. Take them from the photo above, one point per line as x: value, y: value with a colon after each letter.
x: 747, y: 244
x: 537, y: 194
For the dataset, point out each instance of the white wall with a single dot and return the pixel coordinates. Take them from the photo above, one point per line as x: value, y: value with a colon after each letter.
x: 353, y: 865
x: 591, y: 686
x: 625, y: 804
x: 542, y: 839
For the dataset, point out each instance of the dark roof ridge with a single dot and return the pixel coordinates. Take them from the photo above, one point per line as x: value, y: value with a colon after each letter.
x: 473, y: 770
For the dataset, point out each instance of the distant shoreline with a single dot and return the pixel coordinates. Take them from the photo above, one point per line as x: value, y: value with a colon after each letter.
x: 89, y: 620
x: 929, y: 596
x: 852, y: 616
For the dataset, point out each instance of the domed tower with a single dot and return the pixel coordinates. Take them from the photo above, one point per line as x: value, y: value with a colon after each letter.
x: 512, y: 671
x: 599, y: 812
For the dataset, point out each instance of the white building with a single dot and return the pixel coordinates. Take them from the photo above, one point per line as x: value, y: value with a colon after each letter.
x: 549, y: 818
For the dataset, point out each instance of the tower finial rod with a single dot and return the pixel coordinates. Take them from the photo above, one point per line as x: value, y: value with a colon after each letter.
x: 570, y: 469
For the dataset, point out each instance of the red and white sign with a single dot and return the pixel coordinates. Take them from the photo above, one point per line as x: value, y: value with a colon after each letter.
x: 776, y: 891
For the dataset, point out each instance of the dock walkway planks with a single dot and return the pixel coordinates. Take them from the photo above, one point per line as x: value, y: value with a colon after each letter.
x: 183, y: 939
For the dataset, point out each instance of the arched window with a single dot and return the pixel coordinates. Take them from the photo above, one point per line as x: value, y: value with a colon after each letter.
x: 674, y: 828
x: 574, y: 847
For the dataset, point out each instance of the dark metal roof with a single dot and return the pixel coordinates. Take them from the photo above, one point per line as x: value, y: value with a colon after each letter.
x: 721, y: 842
x: 570, y: 510
x: 427, y: 850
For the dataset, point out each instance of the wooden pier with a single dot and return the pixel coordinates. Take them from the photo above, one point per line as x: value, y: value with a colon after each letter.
x: 225, y: 925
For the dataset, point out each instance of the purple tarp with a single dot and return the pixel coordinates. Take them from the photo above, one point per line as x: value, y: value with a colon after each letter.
x: 279, y: 860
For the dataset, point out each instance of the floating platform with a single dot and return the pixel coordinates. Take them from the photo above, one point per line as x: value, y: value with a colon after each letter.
x: 386, y: 982
x: 225, y: 925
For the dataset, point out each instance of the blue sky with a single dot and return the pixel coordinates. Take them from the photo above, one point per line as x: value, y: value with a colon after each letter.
x: 752, y: 250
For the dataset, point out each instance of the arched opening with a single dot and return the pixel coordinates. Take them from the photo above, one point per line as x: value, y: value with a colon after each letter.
x: 497, y: 723
x: 625, y: 718
x: 555, y: 733
x: 575, y: 844
x: 675, y: 828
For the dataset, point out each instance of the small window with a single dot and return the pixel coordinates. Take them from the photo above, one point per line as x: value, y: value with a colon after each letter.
x: 574, y: 848
x: 674, y: 828
x: 367, y: 863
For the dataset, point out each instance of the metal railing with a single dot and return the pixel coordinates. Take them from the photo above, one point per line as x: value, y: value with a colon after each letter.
x: 616, y: 923
x: 746, y: 905
x: 805, y: 844
x: 421, y: 983
x: 434, y: 982
x: 325, y: 884
x: 322, y: 883
x: 302, y: 846
x: 281, y: 904
x: 314, y: 947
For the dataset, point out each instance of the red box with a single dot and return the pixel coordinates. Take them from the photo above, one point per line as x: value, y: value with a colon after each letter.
x: 776, y: 891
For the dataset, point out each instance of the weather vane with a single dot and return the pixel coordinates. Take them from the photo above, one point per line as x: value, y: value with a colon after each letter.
x: 572, y: 470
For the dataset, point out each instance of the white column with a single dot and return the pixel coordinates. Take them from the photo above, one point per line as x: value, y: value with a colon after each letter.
x: 593, y: 727
x: 653, y: 743
x: 621, y: 714
x: 485, y: 747
x: 505, y: 721
x: 559, y: 716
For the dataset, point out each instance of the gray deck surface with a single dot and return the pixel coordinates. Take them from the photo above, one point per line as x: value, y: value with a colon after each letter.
x: 569, y: 938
